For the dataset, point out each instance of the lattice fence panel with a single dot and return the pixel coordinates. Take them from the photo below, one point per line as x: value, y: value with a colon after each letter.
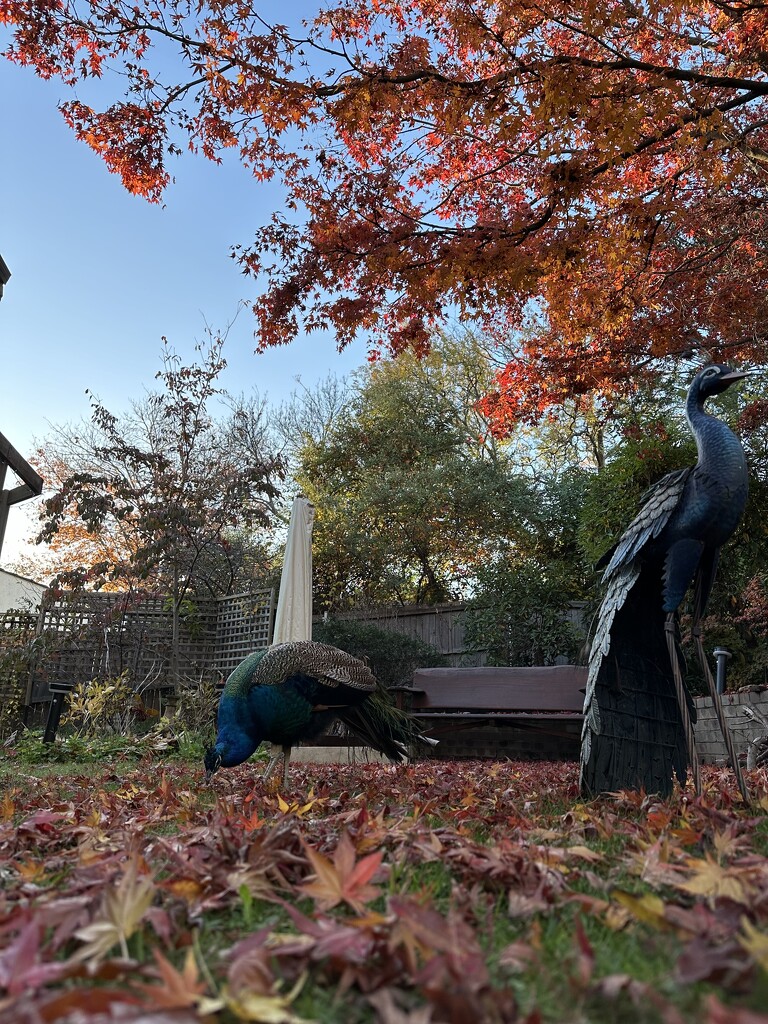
x: 17, y: 629
x: 98, y: 636
x: 244, y: 624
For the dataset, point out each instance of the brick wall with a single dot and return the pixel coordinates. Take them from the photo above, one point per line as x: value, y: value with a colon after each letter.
x: 709, y: 740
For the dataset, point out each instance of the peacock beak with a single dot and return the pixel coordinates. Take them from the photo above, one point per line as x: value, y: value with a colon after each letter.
x: 211, y: 762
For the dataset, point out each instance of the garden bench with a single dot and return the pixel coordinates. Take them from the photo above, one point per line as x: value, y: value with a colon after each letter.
x: 545, y: 701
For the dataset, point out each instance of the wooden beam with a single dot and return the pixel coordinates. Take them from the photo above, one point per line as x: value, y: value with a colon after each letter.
x: 20, y: 466
x: 20, y: 493
x: 5, y: 275
x: 31, y: 486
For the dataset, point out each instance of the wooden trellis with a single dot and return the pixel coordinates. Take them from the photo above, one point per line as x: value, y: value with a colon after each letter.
x: 16, y: 628
x: 243, y: 624
x: 99, y: 636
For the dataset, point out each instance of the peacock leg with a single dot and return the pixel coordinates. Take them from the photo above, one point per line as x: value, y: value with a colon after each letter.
x: 732, y: 756
x: 277, y: 753
x: 670, y: 628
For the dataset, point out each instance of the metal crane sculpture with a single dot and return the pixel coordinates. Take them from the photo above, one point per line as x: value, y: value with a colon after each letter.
x: 638, y: 714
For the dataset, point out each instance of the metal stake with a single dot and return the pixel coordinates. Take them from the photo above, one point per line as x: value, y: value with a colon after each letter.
x: 722, y: 656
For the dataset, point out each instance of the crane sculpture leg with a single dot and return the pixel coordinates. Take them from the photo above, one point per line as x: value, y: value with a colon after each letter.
x: 670, y: 628
x: 732, y: 756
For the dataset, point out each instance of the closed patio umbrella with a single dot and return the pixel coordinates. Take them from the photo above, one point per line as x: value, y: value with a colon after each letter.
x: 293, y: 618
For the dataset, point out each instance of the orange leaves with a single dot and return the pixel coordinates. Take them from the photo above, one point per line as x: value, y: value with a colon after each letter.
x: 597, y: 166
x: 130, y: 138
x: 342, y: 879
x: 175, y: 988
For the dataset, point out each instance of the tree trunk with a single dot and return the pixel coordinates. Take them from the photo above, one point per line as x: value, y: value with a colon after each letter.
x: 175, y: 633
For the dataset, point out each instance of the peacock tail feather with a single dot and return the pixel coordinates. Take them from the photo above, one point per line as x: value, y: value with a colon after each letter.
x: 380, y: 723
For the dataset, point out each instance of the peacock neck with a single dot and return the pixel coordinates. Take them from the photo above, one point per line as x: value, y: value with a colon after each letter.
x: 714, y: 438
x: 237, y: 731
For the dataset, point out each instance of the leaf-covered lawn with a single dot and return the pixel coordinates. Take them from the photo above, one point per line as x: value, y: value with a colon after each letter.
x: 452, y: 892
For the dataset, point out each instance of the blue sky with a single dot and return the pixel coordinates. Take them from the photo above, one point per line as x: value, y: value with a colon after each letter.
x: 99, y: 276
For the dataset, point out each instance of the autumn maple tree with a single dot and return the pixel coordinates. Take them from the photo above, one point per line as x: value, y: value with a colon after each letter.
x: 589, y: 179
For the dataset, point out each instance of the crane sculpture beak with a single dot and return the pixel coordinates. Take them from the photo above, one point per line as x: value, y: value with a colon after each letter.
x: 734, y: 375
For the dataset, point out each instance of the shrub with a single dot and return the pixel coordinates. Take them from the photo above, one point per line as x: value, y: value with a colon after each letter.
x: 106, y: 706
x: 520, y: 615
x: 392, y: 656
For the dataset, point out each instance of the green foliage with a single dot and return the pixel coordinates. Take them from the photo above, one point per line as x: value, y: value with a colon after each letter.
x: 391, y: 656
x: 408, y: 485
x: 28, y: 748
x: 646, y: 450
x: 195, y: 712
x: 104, y: 706
x: 520, y: 614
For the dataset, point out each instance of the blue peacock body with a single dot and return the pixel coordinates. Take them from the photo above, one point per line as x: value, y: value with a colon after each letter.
x: 292, y: 692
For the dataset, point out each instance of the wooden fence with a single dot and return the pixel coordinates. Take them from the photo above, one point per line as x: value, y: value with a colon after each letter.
x: 441, y: 626
x: 444, y: 627
x: 100, y: 636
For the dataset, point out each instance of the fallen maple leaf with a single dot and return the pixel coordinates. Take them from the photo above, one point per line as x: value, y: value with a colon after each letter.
x: 7, y: 808
x: 265, y: 1007
x: 20, y: 966
x: 647, y: 908
x: 342, y: 880
x: 422, y: 933
x: 177, y: 988
x: 755, y: 942
x: 122, y: 911
x: 295, y: 808
x: 389, y: 1012
x: 86, y: 1005
x: 641, y: 993
x: 713, y: 880
x: 188, y: 889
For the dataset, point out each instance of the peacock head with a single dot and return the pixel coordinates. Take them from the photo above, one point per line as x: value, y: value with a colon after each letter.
x: 212, y: 762
x: 233, y: 746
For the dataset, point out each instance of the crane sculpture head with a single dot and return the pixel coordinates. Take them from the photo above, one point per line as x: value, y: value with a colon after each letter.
x: 714, y: 380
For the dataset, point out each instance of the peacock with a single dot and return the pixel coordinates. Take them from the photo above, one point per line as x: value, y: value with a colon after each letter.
x: 292, y: 692
x: 638, y: 714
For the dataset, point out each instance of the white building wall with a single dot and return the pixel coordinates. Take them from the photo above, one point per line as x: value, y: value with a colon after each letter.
x: 17, y: 592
